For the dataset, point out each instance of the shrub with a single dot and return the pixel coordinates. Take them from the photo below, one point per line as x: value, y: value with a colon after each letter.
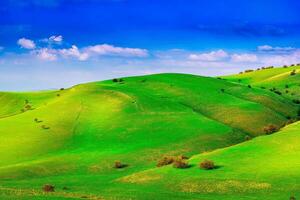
x: 296, y: 101
x: 180, y: 163
x: 222, y: 90
x: 167, y: 160
x: 62, y: 89
x: 27, y: 107
x: 249, y: 86
x: 117, y: 80
x: 247, y: 137
x: 58, y: 95
x: 270, y: 129
x: 277, y: 92
x: 248, y: 70
x: 207, y: 165
x: 182, y: 157
x: 48, y: 188
x: 293, y: 72
x: 119, y: 165
x: 45, y: 127
x: 285, y: 66
x: 292, y: 198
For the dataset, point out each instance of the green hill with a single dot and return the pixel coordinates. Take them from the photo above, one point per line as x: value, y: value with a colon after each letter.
x: 264, y: 168
x: 72, y: 137
x: 285, y: 80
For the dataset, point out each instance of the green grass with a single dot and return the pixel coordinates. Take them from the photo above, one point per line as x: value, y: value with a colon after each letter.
x: 264, y: 168
x: 279, y: 78
x: 137, y: 121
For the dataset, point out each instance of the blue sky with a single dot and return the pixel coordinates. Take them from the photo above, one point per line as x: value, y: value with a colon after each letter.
x: 48, y: 44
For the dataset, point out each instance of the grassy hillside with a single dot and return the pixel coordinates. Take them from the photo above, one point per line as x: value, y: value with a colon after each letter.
x: 275, y: 79
x: 72, y: 137
x: 264, y: 168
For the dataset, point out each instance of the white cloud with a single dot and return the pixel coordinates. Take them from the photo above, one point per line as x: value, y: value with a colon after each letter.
x: 271, y: 48
x: 56, y: 39
x: 45, y: 54
x: 278, y: 60
x: 88, y: 52
x: 1, y: 48
x: 73, y: 52
x: 26, y: 43
x: 211, y: 56
x: 244, y: 58
x: 105, y: 49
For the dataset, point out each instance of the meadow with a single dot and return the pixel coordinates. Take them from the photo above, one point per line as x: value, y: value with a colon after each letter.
x: 103, y: 140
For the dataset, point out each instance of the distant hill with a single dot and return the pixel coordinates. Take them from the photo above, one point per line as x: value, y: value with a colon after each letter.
x: 285, y: 80
x: 72, y: 137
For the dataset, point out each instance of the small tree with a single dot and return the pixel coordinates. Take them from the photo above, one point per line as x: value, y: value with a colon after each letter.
x: 207, y: 165
x: 270, y: 129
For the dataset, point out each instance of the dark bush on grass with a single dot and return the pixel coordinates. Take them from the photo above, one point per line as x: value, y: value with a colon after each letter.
x: 277, y: 92
x: 117, y: 80
x: 180, y: 163
x: 48, y: 188
x: 293, y: 72
x: 292, y: 198
x: 249, y: 86
x: 45, y: 127
x: 270, y: 129
x: 167, y: 160
x: 28, y: 107
x: 207, y: 165
x: 296, y: 101
x: 119, y: 165
x: 222, y: 90
x: 247, y: 137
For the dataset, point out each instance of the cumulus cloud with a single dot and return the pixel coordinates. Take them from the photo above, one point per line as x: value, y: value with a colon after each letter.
x: 26, y: 43
x: 105, y: 49
x: 56, y: 39
x: 211, y: 56
x: 285, y: 59
x: 45, y: 54
x: 85, y: 53
x: 244, y: 58
x: 73, y: 52
x: 268, y: 48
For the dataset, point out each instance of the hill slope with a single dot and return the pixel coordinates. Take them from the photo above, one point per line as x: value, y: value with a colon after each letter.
x: 72, y: 137
x: 280, y: 79
x: 263, y: 168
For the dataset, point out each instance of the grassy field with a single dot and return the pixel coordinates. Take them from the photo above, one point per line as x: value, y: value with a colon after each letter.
x: 71, y: 138
x: 275, y: 79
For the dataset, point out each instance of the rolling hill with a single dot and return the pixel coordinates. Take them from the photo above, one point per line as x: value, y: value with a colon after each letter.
x: 283, y: 79
x: 72, y: 137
